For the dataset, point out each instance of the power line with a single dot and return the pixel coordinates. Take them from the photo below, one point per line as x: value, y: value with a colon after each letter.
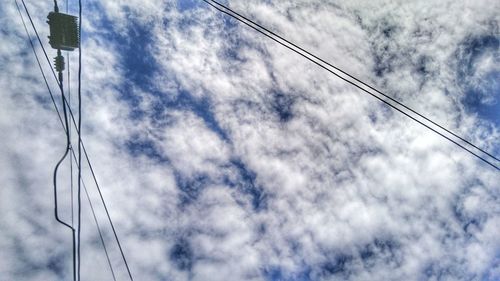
x: 107, y: 212
x: 60, y: 68
x: 98, y: 229
x: 64, y: 128
x: 65, y: 125
x: 98, y: 186
x: 79, y: 192
x: 39, y: 40
x: 259, y: 28
x: 363, y: 83
x: 39, y: 65
x: 68, y: 146
x: 86, y: 156
x: 94, y: 177
x: 69, y: 102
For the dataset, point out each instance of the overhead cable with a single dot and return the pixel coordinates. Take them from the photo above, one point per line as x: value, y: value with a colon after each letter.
x: 64, y: 128
x: 69, y: 129
x: 86, y: 157
x: 79, y: 190
x: 98, y: 229
x: 39, y: 40
x: 39, y: 65
x: 391, y: 102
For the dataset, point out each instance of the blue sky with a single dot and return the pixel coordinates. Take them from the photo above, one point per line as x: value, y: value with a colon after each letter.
x: 223, y: 156
x: 482, y: 94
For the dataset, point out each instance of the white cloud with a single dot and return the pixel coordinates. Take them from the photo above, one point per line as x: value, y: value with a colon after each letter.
x: 241, y: 157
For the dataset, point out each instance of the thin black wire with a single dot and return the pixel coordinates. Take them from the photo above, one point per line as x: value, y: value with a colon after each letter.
x: 62, y: 125
x: 72, y: 195
x: 360, y: 81
x: 72, y: 151
x: 40, y: 41
x: 79, y: 131
x: 240, y: 17
x: 98, y: 186
x: 68, y: 132
x: 98, y: 227
x: 94, y: 177
x: 107, y: 211
x: 65, y: 114
x: 60, y: 119
x: 68, y: 146
x: 39, y: 65
x: 87, y: 158
x: 69, y: 102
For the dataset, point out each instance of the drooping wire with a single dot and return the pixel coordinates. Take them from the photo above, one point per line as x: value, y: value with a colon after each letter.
x: 259, y: 28
x: 64, y: 128
x: 66, y: 151
x: 65, y: 125
x: 62, y: 124
x: 68, y: 147
x: 94, y: 177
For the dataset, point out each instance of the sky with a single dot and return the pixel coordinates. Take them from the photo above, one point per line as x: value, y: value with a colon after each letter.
x: 224, y: 156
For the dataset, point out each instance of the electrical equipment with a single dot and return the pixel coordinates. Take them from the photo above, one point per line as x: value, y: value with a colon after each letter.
x: 63, y: 31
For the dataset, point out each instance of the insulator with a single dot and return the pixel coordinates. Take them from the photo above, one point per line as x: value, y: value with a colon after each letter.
x: 59, y: 63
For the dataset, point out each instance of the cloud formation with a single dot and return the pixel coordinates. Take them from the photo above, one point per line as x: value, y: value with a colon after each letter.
x: 223, y: 156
